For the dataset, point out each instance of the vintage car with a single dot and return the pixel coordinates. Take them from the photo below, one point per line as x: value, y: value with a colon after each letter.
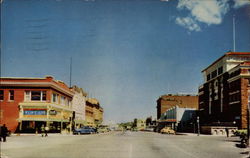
x: 83, y: 131
x: 167, y: 130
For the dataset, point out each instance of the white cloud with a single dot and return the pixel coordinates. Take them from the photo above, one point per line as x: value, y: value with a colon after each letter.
x: 188, y: 23
x: 206, y: 11
x: 240, y: 3
x: 202, y: 11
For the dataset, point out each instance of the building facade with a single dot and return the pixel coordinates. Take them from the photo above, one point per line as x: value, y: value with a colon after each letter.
x: 179, y: 119
x: 78, y: 107
x: 139, y: 124
x: 166, y: 102
x: 224, y: 95
x: 29, y: 103
x: 94, y: 112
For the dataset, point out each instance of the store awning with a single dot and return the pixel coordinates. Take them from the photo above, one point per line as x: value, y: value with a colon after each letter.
x: 168, y: 120
x: 42, y: 119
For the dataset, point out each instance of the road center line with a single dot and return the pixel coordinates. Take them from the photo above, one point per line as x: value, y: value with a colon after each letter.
x: 130, y: 150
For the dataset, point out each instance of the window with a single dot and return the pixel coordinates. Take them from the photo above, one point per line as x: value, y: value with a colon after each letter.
x: 208, y: 77
x: 67, y: 102
x: 27, y: 96
x: 43, y: 95
x: 62, y: 100
x: 214, y: 73
x: 11, y: 95
x: 220, y: 70
x: 55, y: 98
x: 35, y: 96
x: 1, y: 95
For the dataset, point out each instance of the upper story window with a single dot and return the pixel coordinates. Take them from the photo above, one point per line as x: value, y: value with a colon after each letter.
x: 62, y: 101
x: 220, y: 70
x: 55, y: 98
x: 1, y: 95
x: 214, y: 73
x: 208, y: 77
x: 35, y: 96
x: 11, y: 95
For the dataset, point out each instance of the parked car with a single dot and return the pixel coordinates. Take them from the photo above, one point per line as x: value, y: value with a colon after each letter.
x: 103, y: 130
x: 91, y: 128
x: 167, y: 130
x: 83, y: 131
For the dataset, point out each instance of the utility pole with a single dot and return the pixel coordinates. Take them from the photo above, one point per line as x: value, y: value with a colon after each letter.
x: 70, y: 71
x: 234, y: 33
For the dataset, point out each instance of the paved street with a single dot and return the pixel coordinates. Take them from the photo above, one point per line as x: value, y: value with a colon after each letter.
x: 121, y: 145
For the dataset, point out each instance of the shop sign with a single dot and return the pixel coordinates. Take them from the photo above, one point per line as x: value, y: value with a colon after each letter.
x: 52, y: 112
x: 35, y: 112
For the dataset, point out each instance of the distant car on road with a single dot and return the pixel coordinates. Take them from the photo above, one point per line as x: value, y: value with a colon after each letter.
x: 167, y: 130
x: 83, y: 131
x: 103, y: 129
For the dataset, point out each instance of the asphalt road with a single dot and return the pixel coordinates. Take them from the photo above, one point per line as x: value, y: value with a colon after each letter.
x: 121, y: 145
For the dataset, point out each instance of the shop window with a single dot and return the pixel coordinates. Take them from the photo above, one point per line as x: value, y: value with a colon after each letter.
x: 11, y: 95
x: 1, y: 95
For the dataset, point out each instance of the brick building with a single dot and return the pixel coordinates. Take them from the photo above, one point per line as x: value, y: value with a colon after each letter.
x: 28, y: 103
x: 94, y: 112
x: 224, y: 95
x: 166, y: 102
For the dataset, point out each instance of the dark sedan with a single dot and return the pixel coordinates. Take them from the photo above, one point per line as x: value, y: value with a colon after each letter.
x: 83, y: 131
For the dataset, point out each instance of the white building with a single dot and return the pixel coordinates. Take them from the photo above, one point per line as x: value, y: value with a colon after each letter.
x: 78, y: 106
x: 177, y: 118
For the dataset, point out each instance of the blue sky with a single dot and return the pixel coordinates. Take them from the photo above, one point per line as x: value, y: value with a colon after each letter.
x: 126, y: 53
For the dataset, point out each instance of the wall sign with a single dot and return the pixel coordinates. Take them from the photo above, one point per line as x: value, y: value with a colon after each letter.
x: 35, y: 112
x: 52, y: 112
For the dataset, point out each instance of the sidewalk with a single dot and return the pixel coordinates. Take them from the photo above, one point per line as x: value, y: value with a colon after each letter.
x: 196, y: 134
x: 39, y: 134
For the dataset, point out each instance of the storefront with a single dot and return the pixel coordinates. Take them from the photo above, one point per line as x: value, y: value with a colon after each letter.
x: 31, y: 118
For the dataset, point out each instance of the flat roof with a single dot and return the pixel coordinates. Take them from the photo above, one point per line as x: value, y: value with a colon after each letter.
x: 226, y: 54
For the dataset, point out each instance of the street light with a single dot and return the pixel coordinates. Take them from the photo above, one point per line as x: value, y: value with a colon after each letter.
x: 198, y: 121
x: 198, y: 125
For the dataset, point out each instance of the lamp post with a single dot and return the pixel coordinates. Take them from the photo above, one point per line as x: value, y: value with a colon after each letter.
x: 198, y: 125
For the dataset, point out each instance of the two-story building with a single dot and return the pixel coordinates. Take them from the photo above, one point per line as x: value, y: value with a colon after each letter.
x: 29, y: 103
x: 94, y: 112
x: 78, y: 107
x: 168, y: 101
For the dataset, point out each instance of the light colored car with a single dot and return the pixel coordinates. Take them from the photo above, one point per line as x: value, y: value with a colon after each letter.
x: 167, y: 130
x: 102, y: 130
